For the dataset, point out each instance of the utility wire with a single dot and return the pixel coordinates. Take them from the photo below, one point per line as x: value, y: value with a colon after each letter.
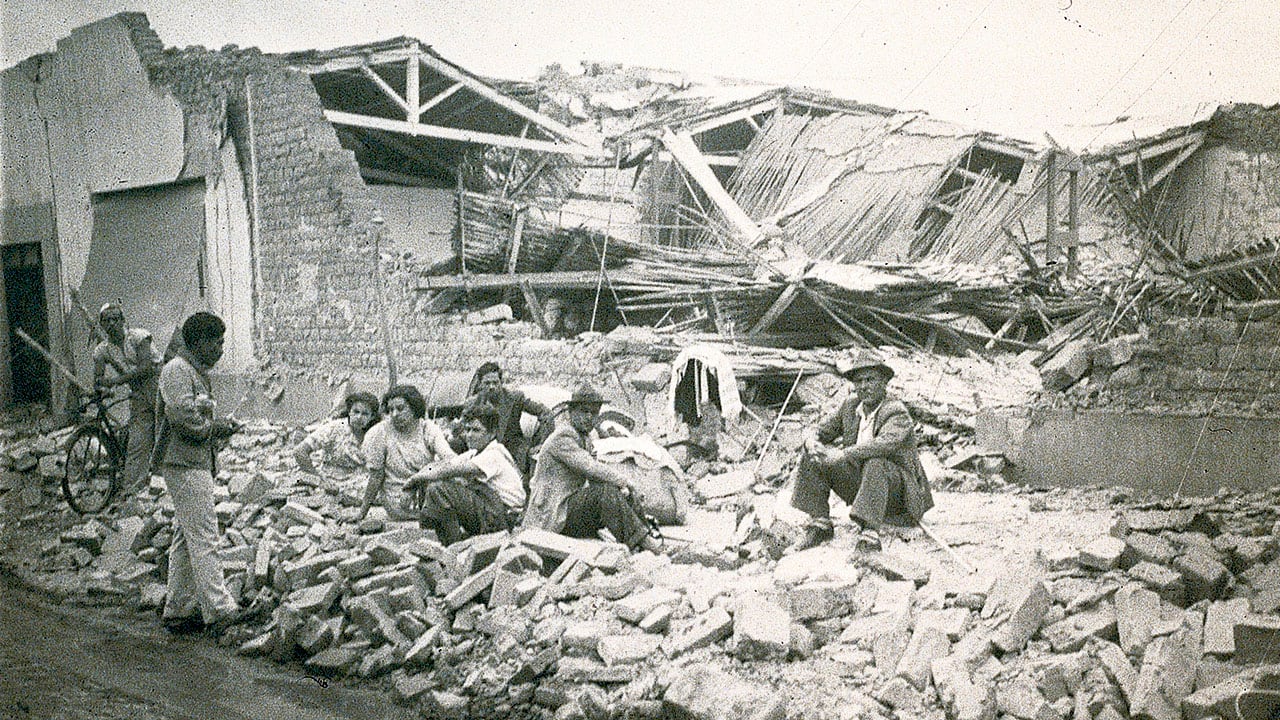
x: 947, y: 53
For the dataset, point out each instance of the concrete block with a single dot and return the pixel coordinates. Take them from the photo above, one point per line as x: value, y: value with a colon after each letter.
x: 951, y: 621
x: 1167, y: 676
x: 1102, y: 553
x: 1165, y: 582
x: 1070, y: 364
x: 1205, y: 578
x: 583, y: 637
x: 1219, y: 700
x: 652, y: 377
x: 297, y: 514
x: 1021, y: 698
x: 926, y: 645
x: 419, y: 652
x: 627, y: 649
x: 471, y: 587
x: 1257, y: 639
x: 820, y: 600
x: 708, y: 628
x: 1219, y: 625
x: 1153, y: 521
x: 1070, y: 634
x: 335, y: 661
x: 761, y: 629
x: 703, y: 693
x: 1146, y: 547
x: 314, y: 599
x: 894, y: 596
x: 636, y: 606
x: 1023, y: 603
x: 356, y: 567
x: 657, y: 621
x: 1137, y: 610
x: 555, y: 546
x: 964, y: 699
x: 890, y: 640
x: 896, y: 567
x: 1117, y: 665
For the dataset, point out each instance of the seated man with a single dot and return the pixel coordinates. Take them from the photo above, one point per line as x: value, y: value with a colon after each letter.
x: 474, y: 493
x: 866, y: 453
x: 577, y: 495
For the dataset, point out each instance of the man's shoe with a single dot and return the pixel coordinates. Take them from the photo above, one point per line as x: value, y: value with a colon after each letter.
x: 813, y: 537
x: 183, y: 626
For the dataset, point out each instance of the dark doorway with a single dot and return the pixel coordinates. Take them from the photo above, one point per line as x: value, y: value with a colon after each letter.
x: 24, y: 305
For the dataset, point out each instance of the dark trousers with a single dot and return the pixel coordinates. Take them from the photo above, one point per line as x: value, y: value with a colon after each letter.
x: 871, y: 487
x: 600, y: 505
x: 457, y: 509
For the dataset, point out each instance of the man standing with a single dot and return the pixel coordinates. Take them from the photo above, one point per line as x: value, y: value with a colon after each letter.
x: 866, y: 453
x: 185, y: 449
x: 476, y: 492
x: 127, y: 357
x: 511, y: 405
x: 575, y: 494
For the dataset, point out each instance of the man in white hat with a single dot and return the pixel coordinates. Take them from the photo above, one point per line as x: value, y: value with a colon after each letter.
x: 866, y: 454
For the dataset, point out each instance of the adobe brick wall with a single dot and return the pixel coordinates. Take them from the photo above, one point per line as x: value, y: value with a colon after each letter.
x: 1195, y: 366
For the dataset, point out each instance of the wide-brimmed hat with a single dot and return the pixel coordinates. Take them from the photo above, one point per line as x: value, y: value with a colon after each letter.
x: 586, y: 395
x: 861, y: 360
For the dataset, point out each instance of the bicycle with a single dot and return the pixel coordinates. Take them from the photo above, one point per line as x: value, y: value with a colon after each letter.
x: 95, y: 455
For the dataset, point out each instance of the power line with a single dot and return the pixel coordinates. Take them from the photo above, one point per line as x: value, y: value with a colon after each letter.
x: 821, y: 46
x: 946, y: 54
x: 1141, y: 55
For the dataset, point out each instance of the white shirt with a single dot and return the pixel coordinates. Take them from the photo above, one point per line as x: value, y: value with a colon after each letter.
x: 866, y: 423
x: 500, y: 472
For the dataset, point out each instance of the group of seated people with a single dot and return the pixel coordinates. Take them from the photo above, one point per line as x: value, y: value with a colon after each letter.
x: 486, y: 480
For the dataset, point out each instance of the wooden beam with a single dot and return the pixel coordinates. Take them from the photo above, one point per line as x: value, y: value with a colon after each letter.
x: 385, y: 87
x: 686, y: 153
x: 1173, y: 164
x: 534, y: 306
x: 729, y: 118
x: 483, y: 90
x: 1149, y: 151
x: 779, y: 306
x: 517, y: 236
x: 568, y: 279
x: 412, y: 86
x: 714, y: 160
x: 437, y: 99
x: 396, y: 178
x: 355, y: 61
x: 446, y: 133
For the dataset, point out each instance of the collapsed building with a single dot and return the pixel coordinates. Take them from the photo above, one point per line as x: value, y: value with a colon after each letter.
x: 376, y: 211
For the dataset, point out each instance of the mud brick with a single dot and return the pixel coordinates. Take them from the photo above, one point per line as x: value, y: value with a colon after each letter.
x: 1167, y: 676
x: 627, y: 649
x: 636, y: 606
x: 374, y: 620
x: 260, y: 645
x: 579, y: 669
x: 1151, y: 548
x: 583, y: 637
x: 356, y: 567
x: 401, y: 535
x: 1102, y: 553
x: 335, y: 661
x: 1219, y: 700
x: 262, y: 562
x: 975, y: 648
x: 1020, y: 698
x: 706, y: 629
x: 1026, y: 602
x: 535, y: 667
x: 657, y: 621
x: 1117, y: 665
x: 1165, y: 582
x: 1151, y: 521
x: 1137, y: 610
x: 316, y: 635
x: 382, y: 552
x: 382, y: 660
x: 761, y: 629
x: 406, y: 598
x: 392, y: 580
x: 926, y: 645
x: 820, y: 600
x: 420, y: 652
x: 894, y: 597
x: 1219, y: 625
x: 314, y: 599
x: 242, y: 555
x: 896, y: 567
x: 1070, y: 634
x: 1249, y: 552
x: 554, y: 546
x: 303, y: 572
x: 297, y: 514
x: 471, y: 587
x: 1205, y: 578
x: 571, y: 570
x: 519, y: 559
x: 891, y: 639
x: 609, y: 557
x: 950, y: 621
x: 1257, y: 639
x: 479, y: 551
x: 616, y: 587
x: 1069, y: 365
x: 964, y: 699
x: 1058, y: 556
x: 410, y: 687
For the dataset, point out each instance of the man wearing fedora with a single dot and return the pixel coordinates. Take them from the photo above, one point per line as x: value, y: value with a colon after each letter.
x: 575, y: 494
x: 866, y: 454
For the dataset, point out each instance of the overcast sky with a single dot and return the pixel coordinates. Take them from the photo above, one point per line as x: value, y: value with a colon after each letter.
x: 1018, y: 66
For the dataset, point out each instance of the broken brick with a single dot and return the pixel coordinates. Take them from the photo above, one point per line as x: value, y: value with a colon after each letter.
x: 1219, y: 625
x: 761, y: 629
x: 1205, y: 578
x: 1137, y: 610
x: 1071, y: 634
x: 706, y: 629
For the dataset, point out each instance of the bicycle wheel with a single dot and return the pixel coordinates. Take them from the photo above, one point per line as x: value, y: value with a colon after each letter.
x: 93, y: 471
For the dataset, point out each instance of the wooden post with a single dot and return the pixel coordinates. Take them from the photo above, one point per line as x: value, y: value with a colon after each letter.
x: 1051, y: 209
x: 411, y: 80
x: 388, y: 345
x: 1073, y: 221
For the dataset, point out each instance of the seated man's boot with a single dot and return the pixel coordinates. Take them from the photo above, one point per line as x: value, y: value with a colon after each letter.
x: 814, y: 535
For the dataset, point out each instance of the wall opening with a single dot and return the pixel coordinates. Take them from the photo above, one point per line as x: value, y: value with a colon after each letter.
x: 25, y: 308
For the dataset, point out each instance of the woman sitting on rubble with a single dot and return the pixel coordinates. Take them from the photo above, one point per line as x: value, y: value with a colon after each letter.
x: 338, y: 439
x: 404, y: 443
